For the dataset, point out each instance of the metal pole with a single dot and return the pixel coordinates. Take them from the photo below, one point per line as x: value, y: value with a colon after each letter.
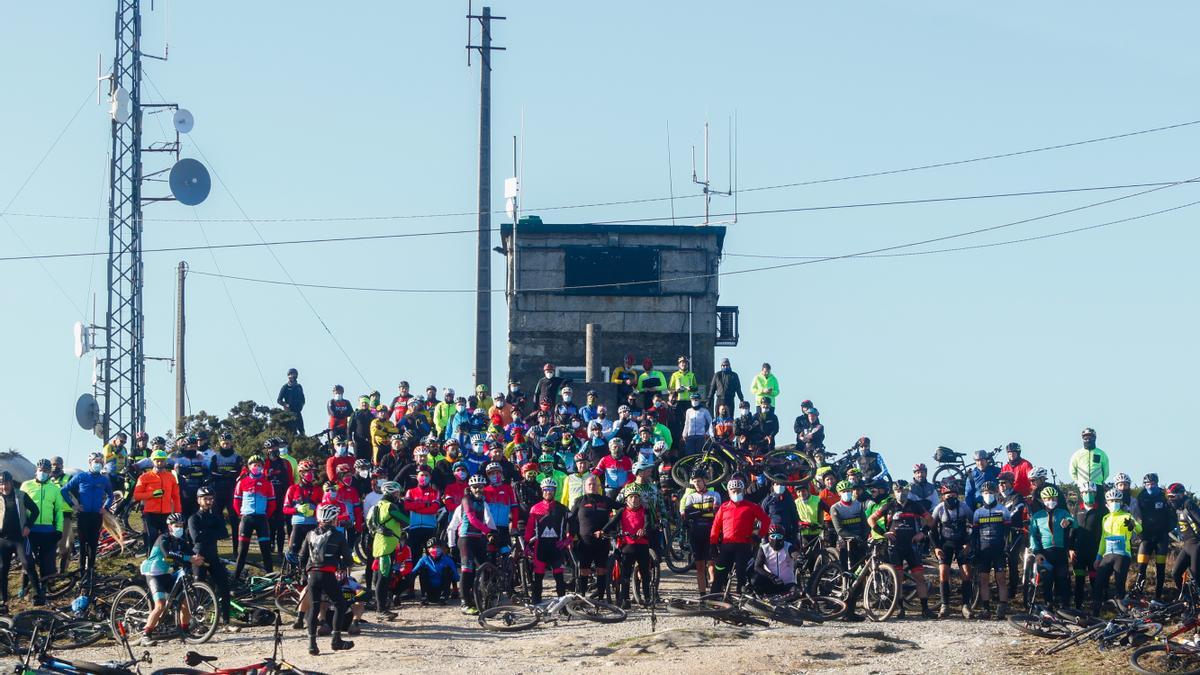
x: 483, y: 298
x: 180, y: 324
x: 591, y: 356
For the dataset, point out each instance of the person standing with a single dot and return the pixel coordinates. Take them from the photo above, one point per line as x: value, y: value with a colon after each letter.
x: 547, y: 388
x: 340, y: 411
x: 650, y: 382
x: 724, y: 387
x: 1089, y: 464
x: 205, y: 528
x: 360, y: 428
x: 328, y: 554
x: 90, y: 491
x: 17, y: 512
x: 158, y: 491
x: 682, y: 380
x: 291, y: 399
x: 1020, y: 468
x: 697, y: 426
x: 254, y: 500
x: 46, y: 528
x: 765, y: 385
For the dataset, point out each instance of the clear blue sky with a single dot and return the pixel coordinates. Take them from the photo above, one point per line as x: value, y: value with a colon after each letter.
x: 312, y: 110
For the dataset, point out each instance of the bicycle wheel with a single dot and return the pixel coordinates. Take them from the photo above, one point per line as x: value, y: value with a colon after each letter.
x: 881, y: 594
x: 131, y: 607
x: 178, y: 670
x: 201, y: 602
x: 787, y: 467
x: 25, y: 623
x: 701, y: 607
x: 712, y: 467
x: 58, y: 585
x: 487, y: 586
x: 1165, y: 658
x: 596, y: 610
x: 826, y: 608
x: 1036, y: 625
x: 287, y: 600
x: 76, y: 634
x: 740, y: 617
x: 508, y: 618
x: 679, y: 547
x: 830, y: 581
x: 948, y: 471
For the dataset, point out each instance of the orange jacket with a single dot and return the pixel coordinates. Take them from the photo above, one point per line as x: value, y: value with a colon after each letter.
x: 151, y: 481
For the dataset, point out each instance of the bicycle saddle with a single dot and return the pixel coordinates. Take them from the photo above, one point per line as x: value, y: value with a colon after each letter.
x: 195, y: 658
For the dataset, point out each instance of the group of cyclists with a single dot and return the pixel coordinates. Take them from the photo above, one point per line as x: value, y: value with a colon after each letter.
x: 427, y: 487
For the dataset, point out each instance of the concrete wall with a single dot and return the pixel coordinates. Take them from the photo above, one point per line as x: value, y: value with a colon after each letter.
x: 549, y: 325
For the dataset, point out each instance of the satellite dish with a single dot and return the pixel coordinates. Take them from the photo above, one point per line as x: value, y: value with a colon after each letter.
x: 87, y: 412
x: 189, y: 181
x: 82, y: 340
x: 183, y: 121
x: 120, y: 105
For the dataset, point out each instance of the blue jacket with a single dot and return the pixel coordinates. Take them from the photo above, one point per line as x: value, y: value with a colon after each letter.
x: 91, y: 491
x: 975, y: 481
x: 436, y: 567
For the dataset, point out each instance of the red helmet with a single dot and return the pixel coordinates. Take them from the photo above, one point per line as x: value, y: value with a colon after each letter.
x: 548, y: 366
x: 1176, y: 489
x: 529, y: 466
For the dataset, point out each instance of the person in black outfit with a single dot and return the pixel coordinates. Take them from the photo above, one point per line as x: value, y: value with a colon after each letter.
x: 764, y: 427
x: 589, y: 514
x: 328, y: 555
x: 725, y: 385
x: 548, y: 387
x: 17, y: 511
x: 360, y: 428
x: 205, y: 528
x: 291, y: 399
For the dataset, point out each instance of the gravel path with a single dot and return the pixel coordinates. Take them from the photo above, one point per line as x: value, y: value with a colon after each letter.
x: 428, y: 638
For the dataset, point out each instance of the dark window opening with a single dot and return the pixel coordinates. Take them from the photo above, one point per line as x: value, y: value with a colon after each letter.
x: 612, y: 270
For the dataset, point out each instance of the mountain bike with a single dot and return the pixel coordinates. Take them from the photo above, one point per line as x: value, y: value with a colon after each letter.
x: 878, y: 582
x: 718, y: 461
x: 773, y: 608
x: 132, y: 605
x: 508, y: 618
x: 59, y: 630
x: 272, y: 665
x: 53, y: 665
x: 503, y: 578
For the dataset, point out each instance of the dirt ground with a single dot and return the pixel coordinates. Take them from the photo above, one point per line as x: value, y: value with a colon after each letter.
x: 440, y: 638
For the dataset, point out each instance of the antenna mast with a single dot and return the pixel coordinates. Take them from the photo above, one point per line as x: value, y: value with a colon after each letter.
x: 706, y: 183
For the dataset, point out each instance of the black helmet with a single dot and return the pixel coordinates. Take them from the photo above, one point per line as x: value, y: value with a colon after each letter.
x: 1150, y: 478
x: 175, y: 519
x: 44, y: 465
x: 204, y: 491
x: 226, y: 436
x: 158, y: 440
x: 988, y: 486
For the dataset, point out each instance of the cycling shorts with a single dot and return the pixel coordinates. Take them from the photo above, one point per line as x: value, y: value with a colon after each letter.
x: 699, y: 533
x: 252, y: 525
x: 905, y: 557
x: 989, y: 559
x: 952, y: 551
x: 592, y: 553
x: 1154, y: 544
x: 159, y: 585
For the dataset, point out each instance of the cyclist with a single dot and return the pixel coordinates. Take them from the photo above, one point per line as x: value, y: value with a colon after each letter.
x: 775, y: 564
x: 423, y: 503
x: 339, y: 410
x: 990, y: 526
x: 90, y: 491
x: 352, y: 501
x: 644, y: 483
x: 1019, y: 467
x: 328, y: 555
x: 904, y: 520
x: 159, y: 493
x: 168, y: 548
x: 616, y: 468
x: 341, y: 457
x: 502, y: 501
x: 1038, y: 481
x: 191, y: 471
x: 46, y: 528
x: 1115, y: 550
x: 17, y: 513
x: 733, y: 532
x: 1048, y: 532
x: 300, y: 504
x: 631, y: 526
x: 386, y: 519
x: 984, y: 471
x: 575, y: 481
x: 589, y: 515
x: 1154, y: 512
x: 471, y: 525
x: 1089, y: 464
x: 781, y: 509
x: 698, y: 506
x: 225, y: 467
x: 809, y: 510
x: 1086, y: 538
x: 281, y: 475
x: 1018, y: 530
x: 453, y: 493
x: 950, y: 534
x: 547, y: 535
x: 205, y: 528
x: 254, y: 501
x: 850, y: 525
x: 1121, y: 482
x: 116, y: 457
x: 829, y: 497
x: 1187, y: 515
x: 870, y: 463
x: 921, y: 488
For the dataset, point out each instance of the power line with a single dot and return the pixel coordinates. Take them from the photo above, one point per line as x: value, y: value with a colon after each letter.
x: 805, y: 260
x: 649, y: 200
x: 437, y: 233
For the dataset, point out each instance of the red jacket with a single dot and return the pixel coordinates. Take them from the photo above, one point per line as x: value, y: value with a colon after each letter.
x: 1020, y: 472
x: 424, y: 500
x: 734, y: 523
x: 633, y: 520
x: 254, y: 496
x: 332, y: 464
x: 454, y: 494
x: 301, y: 494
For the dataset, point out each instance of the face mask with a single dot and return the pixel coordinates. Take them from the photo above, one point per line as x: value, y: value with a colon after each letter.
x: 96, y: 466
x: 461, y: 475
x: 332, y: 492
x: 695, y: 404
x: 283, y: 451
x: 177, y: 532
x: 307, y: 476
x: 764, y: 408
x: 989, y: 498
x: 779, y: 489
x: 566, y: 398
x: 777, y: 544
x: 342, y: 451
x: 1114, y: 506
x: 495, y: 478
x: 846, y: 496
x: 42, y: 476
x: 346, y: 480
x: 256, y: 471
x: 225, y: 452
x: 725, y: 369
x: 1152, y: 490
x: 337, y: 397
x: 603, y: 414
x: 435, y: 554
x: 461, y: 408
x: 574, y: 424
x: 422, y: 480
x: 1050, y: 504
x: 364, y: 473
x: 736, y: 496
x: 952, y: 502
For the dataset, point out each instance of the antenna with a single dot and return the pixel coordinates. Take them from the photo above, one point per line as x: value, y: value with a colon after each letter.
x: 671, y: 173
x: 706, y: 183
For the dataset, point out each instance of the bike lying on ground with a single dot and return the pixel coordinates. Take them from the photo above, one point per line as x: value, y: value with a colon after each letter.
x: 520, y: 617
x: 53, y: 665
x: 272, y: 665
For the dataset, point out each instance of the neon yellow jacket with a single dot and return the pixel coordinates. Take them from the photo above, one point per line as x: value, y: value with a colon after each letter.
x: 682, y: 380
x: 1089, y: 466
x: 765, y: 385
x: 1115, y: 535
x: 50, y: 505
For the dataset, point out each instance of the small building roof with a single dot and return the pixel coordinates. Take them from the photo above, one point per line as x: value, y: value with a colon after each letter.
x: 623, y: 228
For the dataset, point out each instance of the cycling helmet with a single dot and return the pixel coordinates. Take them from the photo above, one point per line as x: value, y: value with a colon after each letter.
x: 920, y: 466
x: 493, y: 466
x: 304, y: 465
x: 328, y: 513
x: 1013, y: 447
x: 389, y: 487
x: 1113, y: 495
x: 1049, y: 492
x: 549, y: 484
x: 329, y: 485
x: 529, y: 466
x: 79, y: 605
x: 477, y: 480
x: 254, y: 459
x: 270, y: 443
x: 844, y: 485
x: 362, y: 464
x: 900, y: 485
x: 949, y: 487
x: 642, y: 465
x: 225, y: 436
x: 854, y: 470
x: 159, y: 454
x: 447, y: 391
x: 699, y: 472
x: 988, y: 486
x: 982, y: 454
x: 460, y: 399
x: 421, y: 450
x: 450, y: 442
x: 581, y: 457
x: 775, y: 531
x: 1150, y: 478
x: 1039, y: 472
x: 735, y: 484
x: 1005, y: 477
x: 1122, y: 478
x: 95, y: 457
x: 1176, y: 489
x: 566, y: 439
x: 546, y: 458
x: 159, y: 441
x: 458, y: 465
x: 122, y: 435
x: 175, y: 519
x: 204, y: 491
x: 660, y: 445
x: 396, y: 437
x: 44, y: 464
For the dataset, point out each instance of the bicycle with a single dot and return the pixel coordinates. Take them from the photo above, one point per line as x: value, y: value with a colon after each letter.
x: 47, y: 664
x: 59, y: 630
x: 132, y: 606
x: 502, y: 580
x: 877, y: 580
x: 508, y: 618
x: 272, y: 665
x: 717, y: 461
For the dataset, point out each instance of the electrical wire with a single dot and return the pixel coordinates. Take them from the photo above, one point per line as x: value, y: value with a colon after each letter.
x: 437, y: 233
x: 649, y: 200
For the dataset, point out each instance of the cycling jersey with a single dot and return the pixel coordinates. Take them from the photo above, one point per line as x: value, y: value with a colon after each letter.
x: 590, y: 514
x: 615, y: 472
x: 423, y: 504
x: 903, y: 519
x: 547, y: 523
x: 301, y: 503
x: 849, y: 520
x: 735, y: 521
x: 699, y: 506
x: 989, y: 527
x: 1188, y: 517
x: 1154, y: 512
x: 809, y: 511
x: 651, y: 500
x: 254, y: 496
x: 165, y: 550
x: 326, y: 550
x: 779, y: 564
x: 476, y: 519
x: 950, y: 524
x: 339, y: 411
x: 502, y: 502
x: 225, y: 469
x: 1046, y: 531
x: 192, y: 472
x: 1116, y: 535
